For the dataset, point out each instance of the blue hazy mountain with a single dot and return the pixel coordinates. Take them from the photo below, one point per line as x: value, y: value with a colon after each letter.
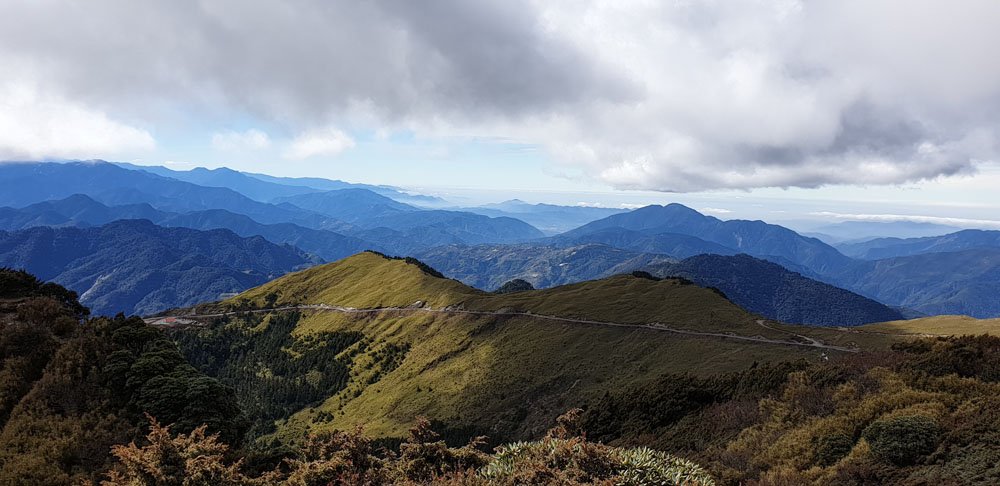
x: 360, y: 206
x: 75, y: 210
x: 321, y: 184
x: 251, y: 187
x: 757, y: 285
x: 771, y: 290
x: 489, y: 266
x: 83, y: 211
x: 134, y: 266
x: 673, y: 244
x: 959, y: 282
x: 856, y: 231
x: 895, y: 247
x: 328, y: 245
x: 404, y: 228
x: 266, y: 188
x: 23, y: 184
x: 549, y: 218
x: 756, y: 238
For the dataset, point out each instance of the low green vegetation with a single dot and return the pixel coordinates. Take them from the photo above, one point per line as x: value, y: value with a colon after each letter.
x: 273, y: 373
x: 937, y: 326
x: 423, y: 459
x: 924, y: 412
x: 507, y: 375
x: 667, y: 383
x: 71, y: 388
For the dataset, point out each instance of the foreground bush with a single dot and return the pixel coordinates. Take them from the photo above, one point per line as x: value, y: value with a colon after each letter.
x: 903, y: 440
x: 341, y: 458
x: 576, y: 461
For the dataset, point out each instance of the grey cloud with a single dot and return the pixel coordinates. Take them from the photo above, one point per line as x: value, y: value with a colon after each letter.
x: 309, y: 59
x: 678, y: 96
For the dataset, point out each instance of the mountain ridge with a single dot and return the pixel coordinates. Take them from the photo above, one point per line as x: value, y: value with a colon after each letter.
x: 135, y: 266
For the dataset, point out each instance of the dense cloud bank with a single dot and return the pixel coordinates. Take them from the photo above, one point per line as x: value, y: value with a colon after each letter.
x: 676, y: 96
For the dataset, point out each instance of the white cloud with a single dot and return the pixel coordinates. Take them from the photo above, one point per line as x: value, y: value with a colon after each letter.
x: 320, y: 142
x: 251, y: 139
x: 715, y: 210
x: 962, y: 222
x: 34, y: 125
x: 670, y: 96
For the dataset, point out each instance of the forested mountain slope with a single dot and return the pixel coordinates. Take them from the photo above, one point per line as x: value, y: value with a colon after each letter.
x: 959, y: 282
x: 391, y: 339
x: 896, y: 247
x: 83, y: 211
x: 134, y: 266
x: 752, y: 237
x: 71, y: 389
x: 771, y: 290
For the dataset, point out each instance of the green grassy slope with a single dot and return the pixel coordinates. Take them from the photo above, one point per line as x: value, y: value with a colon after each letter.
x: 364, y: 280
x: 938, y: 326
x: 508, y: 373
x: 516, y: 373
x: 368, y: 280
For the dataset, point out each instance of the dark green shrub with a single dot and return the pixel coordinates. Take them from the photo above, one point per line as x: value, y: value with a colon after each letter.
x: 831, y: 448
x: 645, y: 275
x: 903, y: 440
x: 516, y: 285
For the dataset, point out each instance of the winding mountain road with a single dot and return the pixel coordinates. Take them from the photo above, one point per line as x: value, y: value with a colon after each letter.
x: 807, y: 341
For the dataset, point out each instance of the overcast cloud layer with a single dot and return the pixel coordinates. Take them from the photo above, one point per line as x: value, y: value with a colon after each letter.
x: 673, y: 96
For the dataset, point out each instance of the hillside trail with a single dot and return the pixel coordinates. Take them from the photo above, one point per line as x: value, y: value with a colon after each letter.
x: 808, y: 342
x: 814, y: 341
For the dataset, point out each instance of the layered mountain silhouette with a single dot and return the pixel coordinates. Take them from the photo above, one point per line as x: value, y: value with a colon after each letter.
x: 898, y: 247
x: 549, y: 218
x: 756, y: 238
x: 488, y: 267
x: 134, y: 266
x: 383, y: 222
x: 773, y: 291
x: 959, y: 282
x: 334, y: 219
x: 83, y: 211
x: 759, y: 286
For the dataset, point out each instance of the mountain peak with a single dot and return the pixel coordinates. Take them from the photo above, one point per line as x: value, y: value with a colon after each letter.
x: 366, y: 280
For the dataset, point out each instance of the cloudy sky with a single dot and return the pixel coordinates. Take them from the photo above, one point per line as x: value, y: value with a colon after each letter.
x: 873, y: 108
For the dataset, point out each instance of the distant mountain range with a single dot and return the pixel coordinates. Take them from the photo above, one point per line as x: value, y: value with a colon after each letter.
x: 756, y: 238
x: 487, y: 246
x: 80, y: 210
x: 896, y: 247
x: 856, y: 231
x: 23, y: 184
x: 384, y: 222
x: 266, y: 188
x: 959, y: 282
x: 773, y: 291
x: 137, y: 267
x: 411, y: 228
x: 757, y: 285
x: 549, y: 218
x: 489, y: 266
x: 673, y: 244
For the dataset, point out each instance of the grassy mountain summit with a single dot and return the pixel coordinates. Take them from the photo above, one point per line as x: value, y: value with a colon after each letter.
x: 757, y: 238
x: 383, y: 340
x: 365, y: 280
x: 370, y: 280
